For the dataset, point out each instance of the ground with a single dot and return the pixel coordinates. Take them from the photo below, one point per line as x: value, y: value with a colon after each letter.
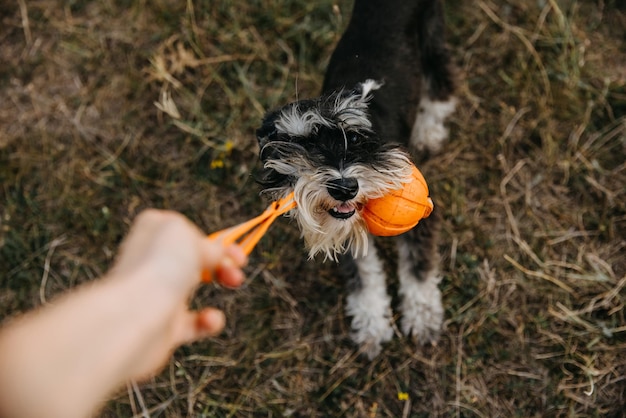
x: 109, y: 107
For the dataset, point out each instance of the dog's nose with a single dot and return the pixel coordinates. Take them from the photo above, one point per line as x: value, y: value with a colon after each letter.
x: 343, y: 189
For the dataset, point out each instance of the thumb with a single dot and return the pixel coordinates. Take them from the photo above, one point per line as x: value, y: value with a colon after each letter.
x: 208, y: 322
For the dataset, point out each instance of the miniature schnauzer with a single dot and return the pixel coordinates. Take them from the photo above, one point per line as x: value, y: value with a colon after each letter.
x: 387, y: 92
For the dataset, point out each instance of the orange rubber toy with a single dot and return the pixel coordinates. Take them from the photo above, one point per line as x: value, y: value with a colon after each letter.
x: 399, y: 210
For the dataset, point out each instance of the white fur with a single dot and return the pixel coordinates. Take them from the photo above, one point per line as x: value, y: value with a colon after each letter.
x: 429, y: 131
x: 296, y: 123
x: 321, y: 232
x: 368, y: 86
x: 370, y: 306
x: 347, y: 112
x: 422, y: 310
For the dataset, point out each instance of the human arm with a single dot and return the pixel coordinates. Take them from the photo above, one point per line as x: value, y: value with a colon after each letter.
x: 65, y: 359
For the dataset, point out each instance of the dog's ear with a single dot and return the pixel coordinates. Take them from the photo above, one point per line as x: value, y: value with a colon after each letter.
x: 267, y: 132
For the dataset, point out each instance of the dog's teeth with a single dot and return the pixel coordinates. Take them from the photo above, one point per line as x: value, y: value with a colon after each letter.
x: 343, y: 208
x: 342, y: 211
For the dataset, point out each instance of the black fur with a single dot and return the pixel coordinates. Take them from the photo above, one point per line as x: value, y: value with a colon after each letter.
x: 328, y: 147
x: 402, y: 43
x: 399, y: 43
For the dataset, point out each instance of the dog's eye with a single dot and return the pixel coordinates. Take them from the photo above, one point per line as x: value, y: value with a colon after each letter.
x: 353, y: 138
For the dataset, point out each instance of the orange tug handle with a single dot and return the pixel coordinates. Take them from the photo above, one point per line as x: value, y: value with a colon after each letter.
x: 250, y: 232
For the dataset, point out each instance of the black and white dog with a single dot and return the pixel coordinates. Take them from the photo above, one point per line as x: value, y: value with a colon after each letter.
x: 387, y: 92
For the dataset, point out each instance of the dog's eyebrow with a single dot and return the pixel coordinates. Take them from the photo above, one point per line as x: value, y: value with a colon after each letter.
x: 293, y: 122
x: 351, y: 110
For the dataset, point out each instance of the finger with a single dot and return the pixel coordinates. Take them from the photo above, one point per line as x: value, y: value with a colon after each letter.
x: 237, y: 254
x: 211, y: 253
x: 225, y: 261
x: 210, y: 322
x: 229, y: 274
x: 197, y: 325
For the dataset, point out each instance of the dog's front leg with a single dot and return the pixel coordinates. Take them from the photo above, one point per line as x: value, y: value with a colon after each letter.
x: 368, y: 303
x: 418, y: 272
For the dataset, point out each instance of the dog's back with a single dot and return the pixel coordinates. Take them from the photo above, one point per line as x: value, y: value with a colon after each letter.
x: 400, y: 43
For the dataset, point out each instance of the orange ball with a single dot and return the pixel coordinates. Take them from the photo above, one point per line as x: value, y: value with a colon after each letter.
x: 399, y: 210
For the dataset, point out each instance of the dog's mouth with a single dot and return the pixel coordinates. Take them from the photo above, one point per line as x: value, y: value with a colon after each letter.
x: 343, y: 211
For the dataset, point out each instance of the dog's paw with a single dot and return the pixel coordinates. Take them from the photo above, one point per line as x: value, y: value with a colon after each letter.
x: 370, y: 332
x: 422, y: 311
x: 371, y: 321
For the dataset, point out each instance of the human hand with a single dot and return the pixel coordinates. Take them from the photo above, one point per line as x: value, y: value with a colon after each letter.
x: 61, y: 360
x: 175, y: 250
x: 166, y: 254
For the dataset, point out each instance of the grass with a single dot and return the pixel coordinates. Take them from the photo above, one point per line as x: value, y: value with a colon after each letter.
x: 110, y: 107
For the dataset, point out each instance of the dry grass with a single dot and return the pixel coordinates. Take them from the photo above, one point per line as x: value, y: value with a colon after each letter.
x: 531, y: 186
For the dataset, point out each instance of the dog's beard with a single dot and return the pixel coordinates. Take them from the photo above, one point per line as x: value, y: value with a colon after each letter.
x: 322, y: 232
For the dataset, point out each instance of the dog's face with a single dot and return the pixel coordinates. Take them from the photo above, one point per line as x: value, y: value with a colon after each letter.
x: 326, y: 151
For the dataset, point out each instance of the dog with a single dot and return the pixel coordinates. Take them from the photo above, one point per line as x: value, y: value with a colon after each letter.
x: 387, y: 92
